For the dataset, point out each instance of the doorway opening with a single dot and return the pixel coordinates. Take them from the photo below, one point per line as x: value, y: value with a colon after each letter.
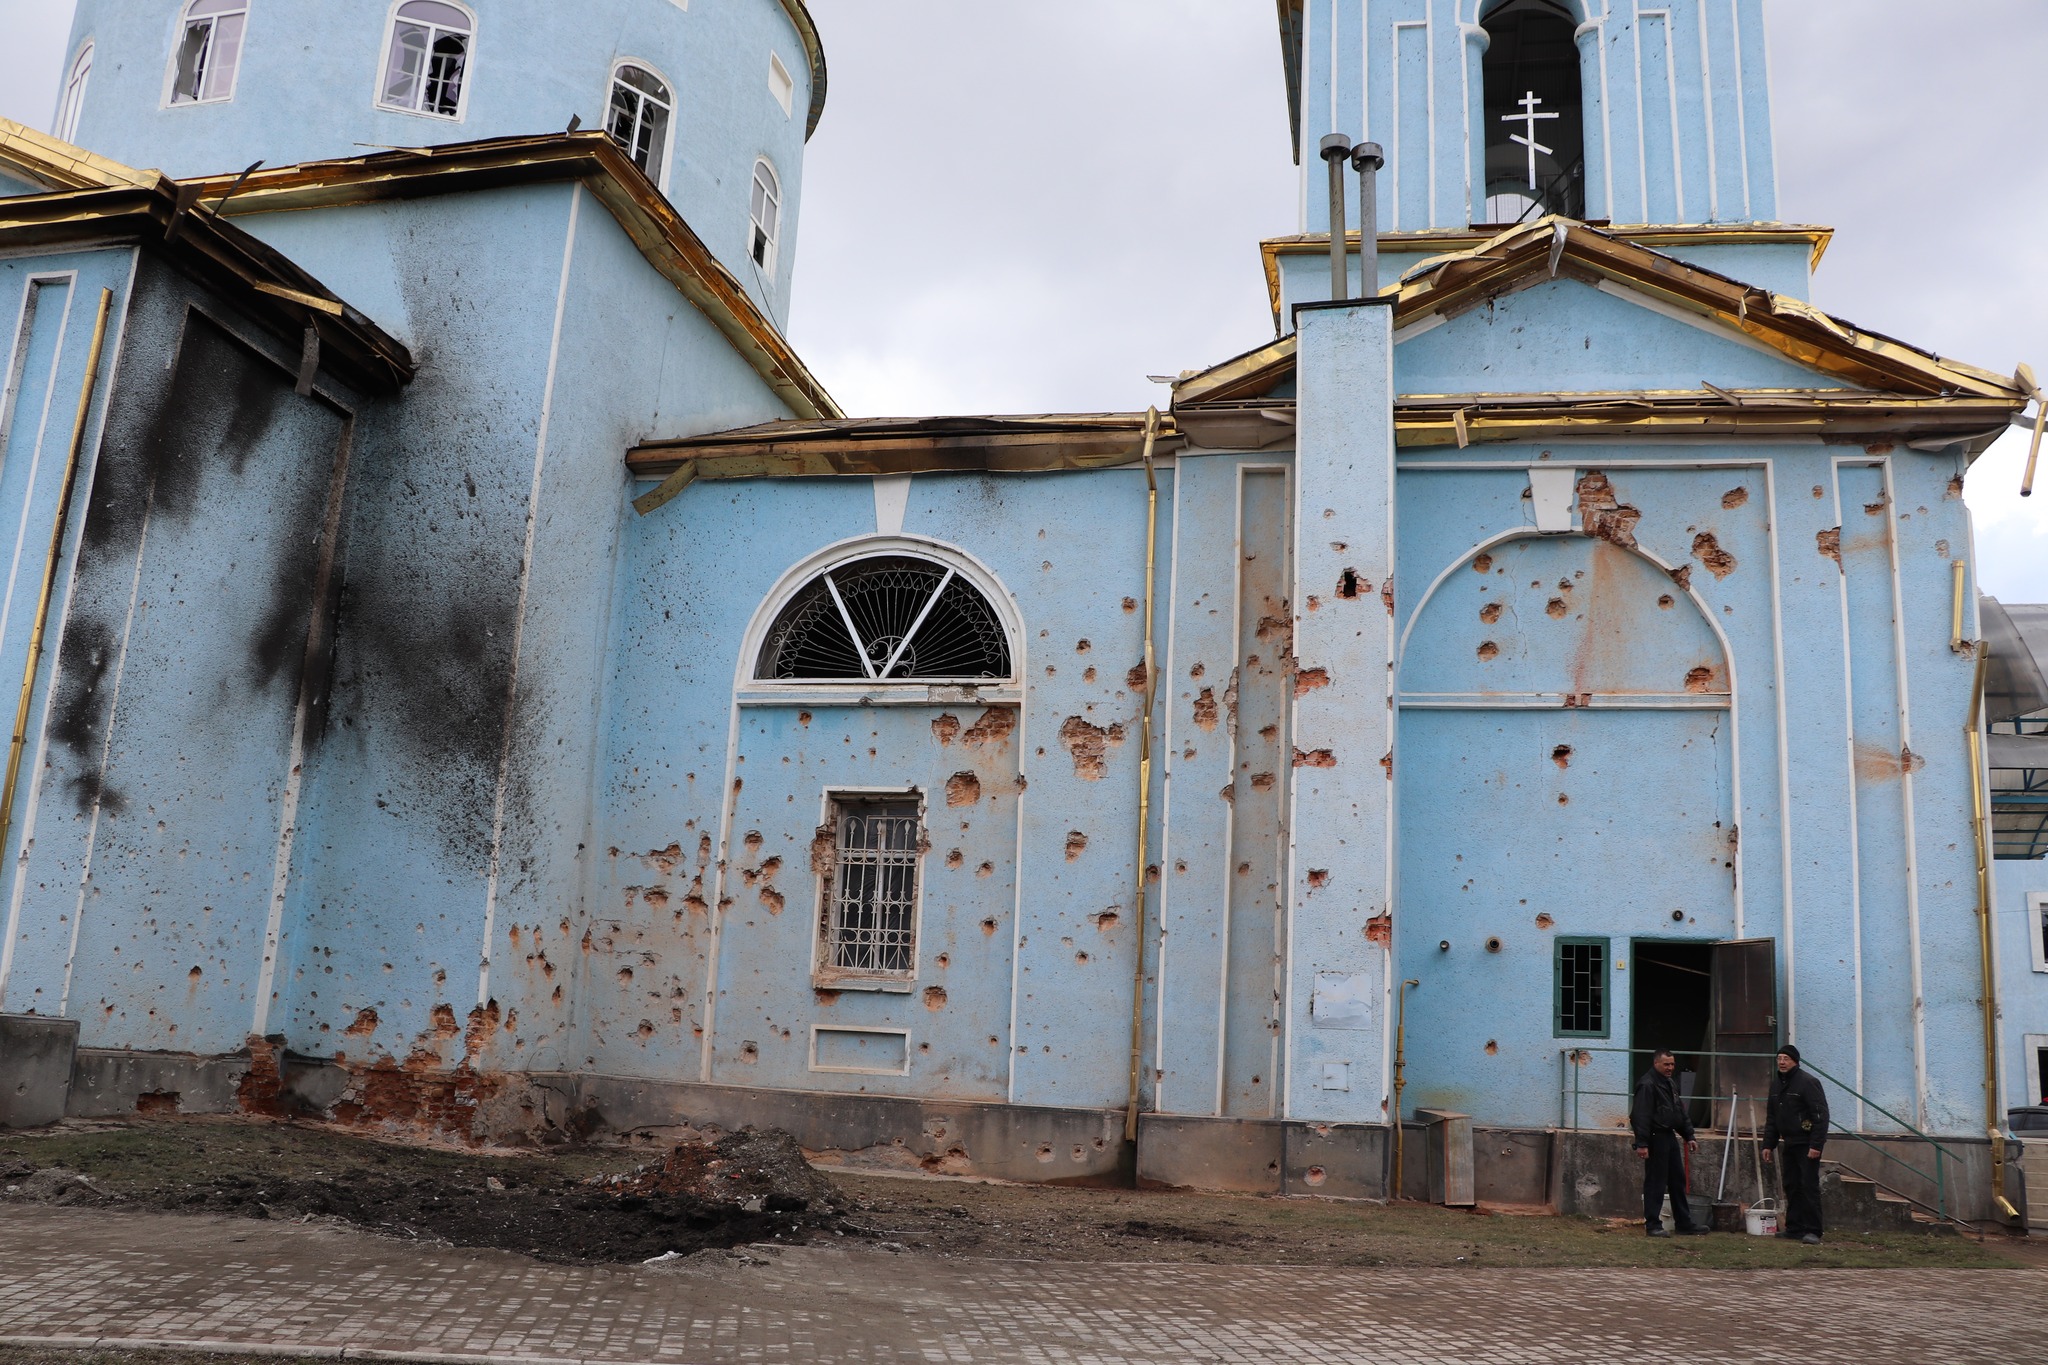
x: 1671, y: 1005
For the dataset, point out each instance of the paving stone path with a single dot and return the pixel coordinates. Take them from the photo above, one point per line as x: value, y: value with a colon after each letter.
x: 118, y: 1278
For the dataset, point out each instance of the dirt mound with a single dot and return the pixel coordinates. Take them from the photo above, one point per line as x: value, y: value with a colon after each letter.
x: 746, y: 1187
x: 753, y: 1170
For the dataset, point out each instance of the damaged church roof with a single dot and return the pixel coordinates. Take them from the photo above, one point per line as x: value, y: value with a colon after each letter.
x: 668, y: 243
x: 92, y: 197
x: 1899, y: 388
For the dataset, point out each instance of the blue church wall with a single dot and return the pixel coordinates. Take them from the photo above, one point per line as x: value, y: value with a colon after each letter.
x: 164, y: 780
x: 1566, y: 336
x: 587, y: 350
x: 1846, y: 788
x: 308, y: 82
x: 1676, y: 111
x: 2020, y: 904
x: 1044, y: 786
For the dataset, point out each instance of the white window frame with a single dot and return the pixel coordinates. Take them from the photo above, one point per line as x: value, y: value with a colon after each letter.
x: 668, y: 137
x: 781, y: 84
x: 766, y: 267
x: 751, y: 690
x: 185, y: 21
x: 825, y: 976
x: 2033, y: 1044
x: 2037, y: 911
x: 377, y: 100
x: 71, y: 100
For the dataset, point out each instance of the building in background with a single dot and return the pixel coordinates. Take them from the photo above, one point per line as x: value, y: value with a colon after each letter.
x: 490, y: 684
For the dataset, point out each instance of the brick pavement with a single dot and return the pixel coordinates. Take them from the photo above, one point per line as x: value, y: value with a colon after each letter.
x: 83, y: 1276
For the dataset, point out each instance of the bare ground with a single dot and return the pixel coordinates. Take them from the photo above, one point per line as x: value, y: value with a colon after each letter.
x: 607, y: 1203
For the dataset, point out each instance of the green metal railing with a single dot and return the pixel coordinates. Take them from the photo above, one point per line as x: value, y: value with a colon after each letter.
x: 1571, y: 1090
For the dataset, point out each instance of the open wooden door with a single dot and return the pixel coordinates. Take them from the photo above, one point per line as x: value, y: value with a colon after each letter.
x: 1745, y: 989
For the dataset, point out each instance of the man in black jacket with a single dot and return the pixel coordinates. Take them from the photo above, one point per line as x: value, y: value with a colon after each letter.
x: 1661, y: 1124
x: 1797, y: 1116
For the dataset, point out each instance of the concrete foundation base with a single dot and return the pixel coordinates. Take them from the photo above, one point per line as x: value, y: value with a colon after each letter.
x: 36, y: 1056
x: 1586, y: 1173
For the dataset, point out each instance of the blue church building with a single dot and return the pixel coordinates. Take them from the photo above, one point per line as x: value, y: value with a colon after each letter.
x: 475, y: 677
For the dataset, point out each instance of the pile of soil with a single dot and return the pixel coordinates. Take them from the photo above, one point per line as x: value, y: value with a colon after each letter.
x: 750, y: 1186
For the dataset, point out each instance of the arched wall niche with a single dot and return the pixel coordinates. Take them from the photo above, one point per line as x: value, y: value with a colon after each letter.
x: 1549, y: 617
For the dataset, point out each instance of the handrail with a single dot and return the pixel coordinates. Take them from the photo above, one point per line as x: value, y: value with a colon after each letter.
x: 1938, y: 1176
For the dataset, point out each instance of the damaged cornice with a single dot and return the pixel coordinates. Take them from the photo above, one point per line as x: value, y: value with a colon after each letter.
x: 668, y: 243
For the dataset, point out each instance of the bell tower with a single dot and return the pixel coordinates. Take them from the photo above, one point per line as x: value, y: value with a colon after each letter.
x: 1497, y: 111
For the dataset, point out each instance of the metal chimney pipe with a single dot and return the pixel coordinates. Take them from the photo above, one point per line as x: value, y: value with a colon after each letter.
x: 1336, y: 150
x: 1366, y: 159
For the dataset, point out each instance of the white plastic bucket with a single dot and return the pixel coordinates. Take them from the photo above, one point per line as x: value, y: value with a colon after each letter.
x: 1762, y: 1220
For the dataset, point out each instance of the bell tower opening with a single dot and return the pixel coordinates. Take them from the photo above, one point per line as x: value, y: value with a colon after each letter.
x: 1534, y: 113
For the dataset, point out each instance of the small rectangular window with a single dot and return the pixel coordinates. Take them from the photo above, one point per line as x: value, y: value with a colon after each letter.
x: 781, y: 84
x: 1581, y: 988
x: 2037, y: 929
x: 868, y: 923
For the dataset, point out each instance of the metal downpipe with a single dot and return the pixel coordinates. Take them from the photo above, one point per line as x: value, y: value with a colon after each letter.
x: 1400, y: 1077
x: 1980, y: 825
x: 1144, y: 775
x: 50, y: 561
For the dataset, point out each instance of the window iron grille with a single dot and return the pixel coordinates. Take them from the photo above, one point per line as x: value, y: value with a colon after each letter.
x: 891, y: 617
x: 870, y: 920
x: 1581, y: 976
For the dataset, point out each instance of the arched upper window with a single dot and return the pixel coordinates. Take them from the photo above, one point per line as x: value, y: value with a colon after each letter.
x: 73, y: 100
x: 766, y: 212
x: 1534, y: 113
x: 893, y: 617
x: 639, y: 117
x: 426, y: 62
x: 209, y: 50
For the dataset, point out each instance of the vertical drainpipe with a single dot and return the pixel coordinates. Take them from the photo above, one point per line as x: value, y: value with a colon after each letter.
x: 57, y: 527
x: 1336, y: 150
x: 1980, y: 825
x: 1144, y: 776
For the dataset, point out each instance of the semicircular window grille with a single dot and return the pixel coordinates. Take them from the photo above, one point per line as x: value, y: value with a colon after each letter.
x: 892, y: 617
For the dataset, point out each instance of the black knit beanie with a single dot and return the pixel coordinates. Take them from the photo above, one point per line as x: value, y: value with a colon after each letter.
x: 1790, y: 1051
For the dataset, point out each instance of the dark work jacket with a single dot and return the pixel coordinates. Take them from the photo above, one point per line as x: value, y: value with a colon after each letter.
x: 1797, y: 1112
x: 1657, y: 1108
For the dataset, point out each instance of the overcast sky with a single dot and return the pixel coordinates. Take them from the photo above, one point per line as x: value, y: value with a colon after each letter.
x: 1029, y: 208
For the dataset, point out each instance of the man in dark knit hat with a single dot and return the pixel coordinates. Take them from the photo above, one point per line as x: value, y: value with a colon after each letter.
x: 1796, y: 1116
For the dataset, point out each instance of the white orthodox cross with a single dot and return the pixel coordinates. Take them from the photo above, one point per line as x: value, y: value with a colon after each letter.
x: 1527, y: 118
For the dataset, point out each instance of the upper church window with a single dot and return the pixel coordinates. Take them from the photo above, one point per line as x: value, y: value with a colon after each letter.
x: 426, y: 63
x: 1534, y: 112
x: 766, y: 212
x: 639, y: 116
x: 209, y: 50
x: 66, y: 126
x: 895, y: 617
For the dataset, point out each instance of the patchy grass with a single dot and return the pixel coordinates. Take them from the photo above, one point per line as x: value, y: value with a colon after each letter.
x: 1067, y: 1224
x: 152, y: 1161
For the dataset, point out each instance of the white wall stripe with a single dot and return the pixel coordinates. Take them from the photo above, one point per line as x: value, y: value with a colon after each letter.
x: 540, y: 455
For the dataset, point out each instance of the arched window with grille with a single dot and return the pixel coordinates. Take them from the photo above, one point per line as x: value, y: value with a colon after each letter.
x: 426, y: 59
x: 1534, y: 113
x: 638, y: 117
x: 73, y: 99
x: 209, y: 51
x: 766, y: 214
x: 887, y: 618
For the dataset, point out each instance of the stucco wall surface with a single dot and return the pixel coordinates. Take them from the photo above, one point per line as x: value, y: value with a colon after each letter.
x: 308, y: 84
